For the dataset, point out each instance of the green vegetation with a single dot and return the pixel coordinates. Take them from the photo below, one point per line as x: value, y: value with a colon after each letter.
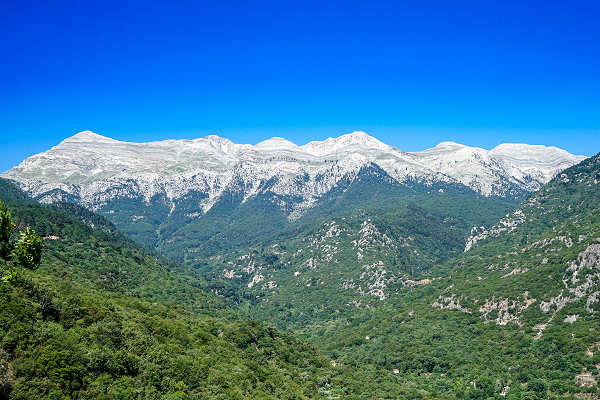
x: 104, y: 319
x: 28, y: 249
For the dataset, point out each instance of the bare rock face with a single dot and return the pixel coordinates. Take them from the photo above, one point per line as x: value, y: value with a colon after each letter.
x: 6, y: 373
x: 585, y: 379
x: 581, y: 280
x: 450, y: 302
x: 507, y: 224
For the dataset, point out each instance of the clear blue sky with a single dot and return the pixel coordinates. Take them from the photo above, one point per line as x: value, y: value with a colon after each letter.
x: 411, y: 73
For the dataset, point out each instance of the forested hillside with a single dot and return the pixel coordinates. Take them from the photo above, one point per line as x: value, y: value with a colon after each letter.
x: 103, y: 319
x: 370, y: 240
x: 516, y: 315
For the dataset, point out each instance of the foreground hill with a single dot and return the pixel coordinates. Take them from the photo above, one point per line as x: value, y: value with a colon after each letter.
x: 104, y: 319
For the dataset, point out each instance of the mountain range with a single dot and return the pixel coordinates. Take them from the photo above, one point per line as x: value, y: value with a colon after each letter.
x: 453, y: 272
x: 93, y: 169
x: 216, y: 190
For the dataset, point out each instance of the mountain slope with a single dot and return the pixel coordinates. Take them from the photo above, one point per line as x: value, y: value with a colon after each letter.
x: 75, y: 242
x: 342, y: 258
x: 550, y: 246
x: 517, y: 313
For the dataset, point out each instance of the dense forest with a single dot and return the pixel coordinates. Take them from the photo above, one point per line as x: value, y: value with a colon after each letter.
x: 102, y: 318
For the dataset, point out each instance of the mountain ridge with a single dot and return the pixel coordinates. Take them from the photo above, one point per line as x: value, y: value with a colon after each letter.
x: 87, y: 165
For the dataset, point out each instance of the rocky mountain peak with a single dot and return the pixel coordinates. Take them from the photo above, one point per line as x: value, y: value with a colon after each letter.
x: 275, y: 144
x: 88, y: 137
x: 354, y: 141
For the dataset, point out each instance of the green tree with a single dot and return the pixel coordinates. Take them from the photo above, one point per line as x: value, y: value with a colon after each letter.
x: 28, y: 250
x: 6, y: 228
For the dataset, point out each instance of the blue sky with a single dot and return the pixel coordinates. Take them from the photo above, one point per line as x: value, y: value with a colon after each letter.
x: 410, y: 73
